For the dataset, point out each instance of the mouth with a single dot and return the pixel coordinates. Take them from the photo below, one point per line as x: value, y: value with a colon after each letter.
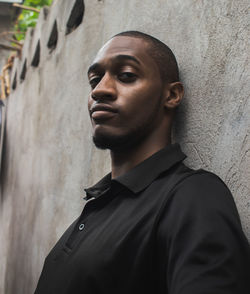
x: 102, y: 112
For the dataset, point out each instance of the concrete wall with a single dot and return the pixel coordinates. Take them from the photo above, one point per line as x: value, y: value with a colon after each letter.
x: 48, y: 154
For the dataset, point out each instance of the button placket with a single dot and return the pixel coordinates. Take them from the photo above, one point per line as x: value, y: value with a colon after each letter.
x: 81, y: 227
x: 74, y: 238
x: 77, y: 234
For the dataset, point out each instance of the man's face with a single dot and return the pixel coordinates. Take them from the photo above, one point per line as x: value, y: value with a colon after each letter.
x: 125, y: 102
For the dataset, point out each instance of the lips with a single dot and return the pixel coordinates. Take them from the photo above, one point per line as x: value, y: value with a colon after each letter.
x: 102, y: 111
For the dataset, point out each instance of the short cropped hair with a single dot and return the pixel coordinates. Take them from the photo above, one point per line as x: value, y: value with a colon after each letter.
x: 161, y: 53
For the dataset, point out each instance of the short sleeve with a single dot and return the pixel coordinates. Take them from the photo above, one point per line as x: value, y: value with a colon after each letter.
x: 201, y: 248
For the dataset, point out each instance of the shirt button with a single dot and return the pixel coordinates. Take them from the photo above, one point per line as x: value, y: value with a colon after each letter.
x: 81, y: 227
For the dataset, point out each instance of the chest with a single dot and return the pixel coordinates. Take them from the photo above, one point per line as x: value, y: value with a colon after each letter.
x: 118, y: 230
x: 110, y: 246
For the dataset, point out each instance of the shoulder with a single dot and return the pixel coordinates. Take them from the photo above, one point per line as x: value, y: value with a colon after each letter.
x: 202, y: 198
x: 199, y: 232
x: 202, y: 189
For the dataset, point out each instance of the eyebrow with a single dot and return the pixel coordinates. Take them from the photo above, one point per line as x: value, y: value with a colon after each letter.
x: 117, y: 58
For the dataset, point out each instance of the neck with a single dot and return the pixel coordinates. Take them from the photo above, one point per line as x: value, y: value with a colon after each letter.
x: 124, y: 160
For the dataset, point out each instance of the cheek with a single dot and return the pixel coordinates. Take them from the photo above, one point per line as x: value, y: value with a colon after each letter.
x: 140, y: 101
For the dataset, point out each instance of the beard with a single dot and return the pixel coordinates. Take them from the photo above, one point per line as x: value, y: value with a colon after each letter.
x: 108, y: 141
x: 133, y: 137
x: 115, y: 142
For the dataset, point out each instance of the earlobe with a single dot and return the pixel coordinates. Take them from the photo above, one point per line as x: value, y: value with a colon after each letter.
x: 173, y: 95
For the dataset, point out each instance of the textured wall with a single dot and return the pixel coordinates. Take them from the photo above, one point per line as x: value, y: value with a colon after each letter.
x: 48, y: 153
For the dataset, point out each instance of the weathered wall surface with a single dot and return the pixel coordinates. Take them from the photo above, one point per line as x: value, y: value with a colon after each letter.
x: 49, y: 157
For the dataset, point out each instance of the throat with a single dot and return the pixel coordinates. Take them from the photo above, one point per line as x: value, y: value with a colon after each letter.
x: 124, y: 160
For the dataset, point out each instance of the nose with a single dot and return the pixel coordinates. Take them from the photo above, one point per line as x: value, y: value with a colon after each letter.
x: 105, y: 89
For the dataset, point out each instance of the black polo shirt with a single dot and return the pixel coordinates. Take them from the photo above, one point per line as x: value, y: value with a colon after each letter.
x: 160, y: 228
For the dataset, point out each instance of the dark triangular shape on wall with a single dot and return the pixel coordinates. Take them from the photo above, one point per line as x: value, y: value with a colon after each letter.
x: 23, y: 73
x: 76, y: 16
x: 36, y: 57
x: 53, y: 37
x: 14, y: 82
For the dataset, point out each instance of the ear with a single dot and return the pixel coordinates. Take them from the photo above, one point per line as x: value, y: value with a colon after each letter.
x: 174, y: 93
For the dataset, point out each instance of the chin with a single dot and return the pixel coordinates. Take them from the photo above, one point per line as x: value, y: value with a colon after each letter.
x: 120, y: 139
x: 104, y: 141
x: 121, y: 142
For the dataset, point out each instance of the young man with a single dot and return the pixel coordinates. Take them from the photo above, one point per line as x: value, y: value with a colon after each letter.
x: 152, y: 225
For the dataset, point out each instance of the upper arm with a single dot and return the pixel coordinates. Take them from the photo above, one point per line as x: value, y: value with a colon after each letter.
x: 200, y: 240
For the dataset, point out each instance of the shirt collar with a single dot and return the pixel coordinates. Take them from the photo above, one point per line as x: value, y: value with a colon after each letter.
x: 143, y: 174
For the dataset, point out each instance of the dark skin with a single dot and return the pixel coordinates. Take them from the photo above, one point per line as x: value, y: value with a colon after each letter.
x: 129, y: 97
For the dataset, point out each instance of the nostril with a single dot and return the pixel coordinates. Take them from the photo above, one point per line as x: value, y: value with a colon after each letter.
x: 93, y: 96
x: 102, y: 96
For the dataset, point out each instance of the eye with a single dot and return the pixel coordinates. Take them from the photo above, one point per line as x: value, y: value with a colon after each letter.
x: 127, y: 77
x: 94, y: 81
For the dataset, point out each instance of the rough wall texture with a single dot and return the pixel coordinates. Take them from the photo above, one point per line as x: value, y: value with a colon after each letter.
x: 48, y: 154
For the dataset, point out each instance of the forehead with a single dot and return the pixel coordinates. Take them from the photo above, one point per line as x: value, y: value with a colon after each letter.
x: 124, y: 45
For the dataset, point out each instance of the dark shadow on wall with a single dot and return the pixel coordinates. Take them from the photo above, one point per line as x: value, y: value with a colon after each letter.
x: 53, y: 38
x: 24, y: 70
x: 36, y: 57
x: 76, y: 16
x: 14, y: 81
x: 4, y: 163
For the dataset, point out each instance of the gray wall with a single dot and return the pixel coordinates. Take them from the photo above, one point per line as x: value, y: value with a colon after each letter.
x: 48, y: 154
